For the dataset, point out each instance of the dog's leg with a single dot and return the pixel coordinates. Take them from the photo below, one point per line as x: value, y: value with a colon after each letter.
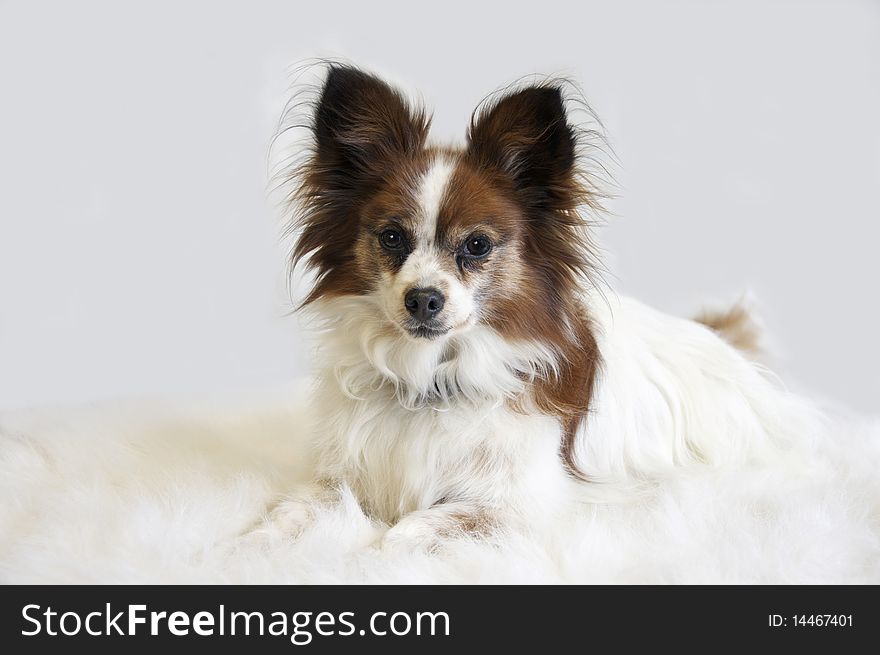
x: 428, y: 529
x: 299, y: 509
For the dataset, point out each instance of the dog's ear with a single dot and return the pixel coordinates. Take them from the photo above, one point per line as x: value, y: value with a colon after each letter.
x: 525, y: 135
x: 362, y: 123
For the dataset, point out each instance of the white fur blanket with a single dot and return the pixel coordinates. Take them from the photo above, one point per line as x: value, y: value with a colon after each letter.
x: 127, y: 494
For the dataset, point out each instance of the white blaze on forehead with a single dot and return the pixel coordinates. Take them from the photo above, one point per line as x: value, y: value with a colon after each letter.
x: 425, y: 266
x: 431, y: 189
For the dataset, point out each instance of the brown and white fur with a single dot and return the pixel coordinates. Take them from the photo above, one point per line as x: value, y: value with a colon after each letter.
x: 512, y: 385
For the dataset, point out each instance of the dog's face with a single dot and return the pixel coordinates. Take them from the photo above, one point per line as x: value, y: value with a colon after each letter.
x: 440, y: 246
x: 442, y: 239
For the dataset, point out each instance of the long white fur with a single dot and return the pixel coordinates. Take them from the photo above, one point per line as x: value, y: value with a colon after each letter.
x: 408, y: 423
x: 673, y: 393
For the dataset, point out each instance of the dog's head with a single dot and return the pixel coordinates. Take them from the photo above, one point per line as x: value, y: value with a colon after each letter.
x: 440, y: 239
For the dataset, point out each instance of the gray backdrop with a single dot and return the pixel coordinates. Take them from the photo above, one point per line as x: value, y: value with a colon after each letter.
x: 138, y: 255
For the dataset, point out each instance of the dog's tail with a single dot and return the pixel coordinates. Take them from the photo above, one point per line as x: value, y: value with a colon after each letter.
x: 739, y: 325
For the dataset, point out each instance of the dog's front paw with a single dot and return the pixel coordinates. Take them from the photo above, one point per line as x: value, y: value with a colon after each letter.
x: 294, y: 513
x: 428, y: 530
x: 291, y: 516
x: 410, y: 534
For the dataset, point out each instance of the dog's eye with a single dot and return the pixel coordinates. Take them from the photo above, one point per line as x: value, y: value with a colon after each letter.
x: 391, y: 240
x: 478, y: 246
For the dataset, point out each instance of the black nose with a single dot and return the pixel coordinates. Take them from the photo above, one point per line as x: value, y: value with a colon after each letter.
x: 423, y: 304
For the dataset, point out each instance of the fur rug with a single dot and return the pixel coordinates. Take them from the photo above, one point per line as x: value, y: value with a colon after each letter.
x: 162, y: 494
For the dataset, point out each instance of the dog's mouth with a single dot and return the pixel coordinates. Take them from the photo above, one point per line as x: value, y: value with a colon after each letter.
x: 425, y: 331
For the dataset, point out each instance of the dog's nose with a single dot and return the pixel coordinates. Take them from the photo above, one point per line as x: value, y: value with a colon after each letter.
x: 424, y: 304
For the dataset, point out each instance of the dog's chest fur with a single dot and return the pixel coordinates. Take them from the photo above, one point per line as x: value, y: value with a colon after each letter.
x: 398, y: 460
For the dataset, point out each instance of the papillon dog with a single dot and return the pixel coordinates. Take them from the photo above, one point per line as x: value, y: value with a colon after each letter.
x: 473, y: 371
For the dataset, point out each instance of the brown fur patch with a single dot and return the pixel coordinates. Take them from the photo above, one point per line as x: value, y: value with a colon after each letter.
x: 391, y: 205
x: 568, y: 394
x: 736, y: 325
x: 476, y: 204
x: 459, y: 523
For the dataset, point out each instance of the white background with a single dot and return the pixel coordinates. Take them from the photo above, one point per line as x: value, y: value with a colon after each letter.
x: 139, y: 256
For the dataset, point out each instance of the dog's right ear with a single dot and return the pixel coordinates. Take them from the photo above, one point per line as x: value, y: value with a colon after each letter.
x: 362, y: 124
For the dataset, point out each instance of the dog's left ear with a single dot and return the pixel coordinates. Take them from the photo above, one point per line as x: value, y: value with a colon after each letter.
x: 526, y: 136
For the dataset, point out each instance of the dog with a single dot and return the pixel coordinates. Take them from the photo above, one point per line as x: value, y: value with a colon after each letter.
x: 474, y: 373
